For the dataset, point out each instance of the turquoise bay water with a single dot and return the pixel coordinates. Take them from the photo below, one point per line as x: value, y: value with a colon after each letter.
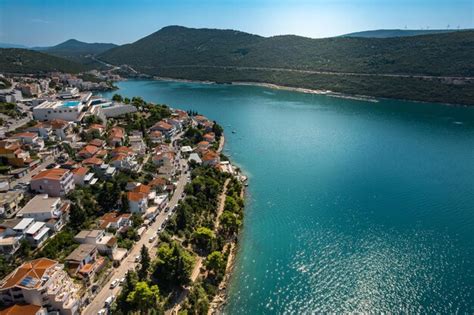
x: 352, y: 206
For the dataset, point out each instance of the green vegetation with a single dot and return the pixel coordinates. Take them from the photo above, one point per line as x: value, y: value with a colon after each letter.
x: 173, y: 265
x: 396, y: 33
x: 9, y: 109
x: 78, y: 51
x: 33, y: 62
x: 227, y: 56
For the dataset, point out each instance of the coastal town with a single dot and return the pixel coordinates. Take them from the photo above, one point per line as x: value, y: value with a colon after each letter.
x: 111, y: 206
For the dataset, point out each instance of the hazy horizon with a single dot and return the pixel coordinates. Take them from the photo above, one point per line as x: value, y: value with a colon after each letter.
x: 39, y: 23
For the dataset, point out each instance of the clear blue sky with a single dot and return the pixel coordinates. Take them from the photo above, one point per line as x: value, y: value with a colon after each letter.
x: 36, y: 23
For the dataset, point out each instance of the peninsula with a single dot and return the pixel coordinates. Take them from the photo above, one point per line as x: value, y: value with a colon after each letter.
x: 111, y: 205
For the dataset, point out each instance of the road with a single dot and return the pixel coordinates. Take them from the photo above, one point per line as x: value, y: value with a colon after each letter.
x: 27, y: 178
x: 390, y: 75
x: 129, y: 262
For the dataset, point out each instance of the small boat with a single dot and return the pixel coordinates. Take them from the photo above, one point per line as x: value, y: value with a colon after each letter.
x: 233, y: 131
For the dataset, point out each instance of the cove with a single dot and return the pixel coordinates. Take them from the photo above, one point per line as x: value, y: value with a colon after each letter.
x: 351, y: 205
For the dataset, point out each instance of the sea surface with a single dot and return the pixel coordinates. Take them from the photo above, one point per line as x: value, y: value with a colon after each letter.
x: 353, y: 206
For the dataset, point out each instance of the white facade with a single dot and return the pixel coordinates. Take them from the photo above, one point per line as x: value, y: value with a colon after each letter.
x: 49, y: 110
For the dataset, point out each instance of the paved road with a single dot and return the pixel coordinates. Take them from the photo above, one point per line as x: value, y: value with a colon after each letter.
x: 27, y: 178
x: 129, y: 262
x: 391, y: 75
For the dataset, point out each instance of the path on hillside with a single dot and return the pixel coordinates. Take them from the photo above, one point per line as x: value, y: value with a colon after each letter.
x: 390, y: 75
x: 197, y: 267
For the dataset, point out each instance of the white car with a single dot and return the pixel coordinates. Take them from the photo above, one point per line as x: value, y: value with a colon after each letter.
x: 109, y: 300
x: 122, y: 280
x: 114, y: 283
x: 102, y: 311
x: 137, y: 258
x: 152, y: 238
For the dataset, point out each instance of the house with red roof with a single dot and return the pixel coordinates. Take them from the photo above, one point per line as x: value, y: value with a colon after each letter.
x: 87, y: 151
x: 116, y: 136
x: 55, y: 182
x: 137, y: 201
x: 30, y: 139
x: 41, y: 282
x: 210, y: 158
x: 165, y: 128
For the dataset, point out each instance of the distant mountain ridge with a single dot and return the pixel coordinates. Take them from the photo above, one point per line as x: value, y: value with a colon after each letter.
x: 398, y: 67
x: 447, y: 54
x: 74, y: 46
x: 77, y: 51
x: 388, y: 33
x: 14, y: 60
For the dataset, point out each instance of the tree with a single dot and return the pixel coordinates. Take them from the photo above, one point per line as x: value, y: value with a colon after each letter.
x: 203, y: 237
x: 117, y: 98
x: 144, y: 264
x: 128, y: 286
x: 229, y: 223
x: 173, y: 265
x: 215, y: 262
x: 144, y: 297
x: 126, y: 100
x: 124, y: 205
x: 77, y: 216
x: 198, y: 302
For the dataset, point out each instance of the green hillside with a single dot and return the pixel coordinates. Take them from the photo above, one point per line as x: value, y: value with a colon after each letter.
x: 78, y: 51
x: 14, y: 60
x: 341, y: 64
x: 443, y: 54
x: 395, y: 33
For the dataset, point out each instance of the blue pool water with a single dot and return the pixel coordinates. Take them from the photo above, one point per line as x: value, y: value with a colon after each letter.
x: 352, y: 206
x: 71, y: 103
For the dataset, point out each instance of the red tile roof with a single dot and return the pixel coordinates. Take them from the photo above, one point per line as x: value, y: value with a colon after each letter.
x: 35, y: 269
x: 52, y: 174
x: 136, y: 196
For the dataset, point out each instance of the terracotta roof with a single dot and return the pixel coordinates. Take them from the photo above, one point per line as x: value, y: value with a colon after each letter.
x: 81, y: 171
x: 34, y: 269
x: 25, y: 135
x: 210, y: 155
x: 136, y: 196
x: 96, y: 142
x: 116, y: 132
x: 92, y: 161
x: 142, y: 189
x: 24, y: 309
x: 101, y: 153
x: 112, y: 217
x: 202, y: 143
x: 159, y: 181
x: 122, y: 150
x: 162, y: 125
x: 58, y: 123
x: 88, y: 150
x: 52, y: 174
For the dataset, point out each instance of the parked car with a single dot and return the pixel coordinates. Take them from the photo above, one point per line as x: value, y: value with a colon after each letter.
x: 109, y: 300
x: 152, y: 238
x: 114, y: 283
x: 137, y: 258
x: 102, y: 311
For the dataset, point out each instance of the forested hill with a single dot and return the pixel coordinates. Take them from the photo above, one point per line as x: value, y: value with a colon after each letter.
x: 396, y: 33
x: 448, y: 54
x: 13, y: 60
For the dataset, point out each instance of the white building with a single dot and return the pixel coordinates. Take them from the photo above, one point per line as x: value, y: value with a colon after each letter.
x: 67, y: 110
x: 41, y: 282
x: 52, y: 211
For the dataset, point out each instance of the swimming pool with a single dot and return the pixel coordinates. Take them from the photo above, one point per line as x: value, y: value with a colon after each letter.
x: 71, y: 103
